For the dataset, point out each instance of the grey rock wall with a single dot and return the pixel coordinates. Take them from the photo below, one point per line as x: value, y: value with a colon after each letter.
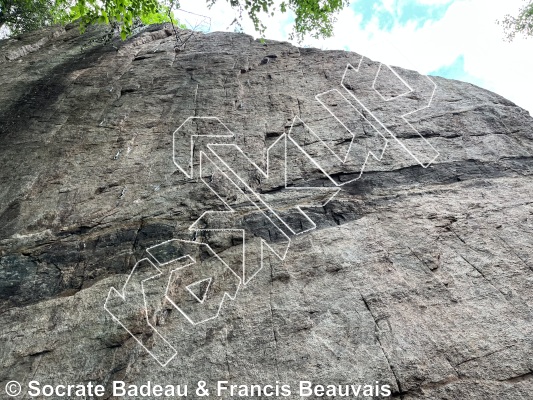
x: 419, y: 278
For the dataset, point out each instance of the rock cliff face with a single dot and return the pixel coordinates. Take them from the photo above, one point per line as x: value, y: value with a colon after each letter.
x: 416, y: 273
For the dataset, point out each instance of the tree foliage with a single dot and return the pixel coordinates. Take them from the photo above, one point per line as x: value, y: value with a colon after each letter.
x: 124, y: 13
x: 315, y: 17
x: 520, y: 24
x: 26, y: 15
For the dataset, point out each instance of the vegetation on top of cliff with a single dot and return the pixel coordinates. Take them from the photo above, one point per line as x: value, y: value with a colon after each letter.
x: 27, y: 15
x: 314, y: 17
x: 520, y: 24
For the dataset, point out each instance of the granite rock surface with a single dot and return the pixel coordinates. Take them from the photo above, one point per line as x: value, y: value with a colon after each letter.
x: 416, y: 273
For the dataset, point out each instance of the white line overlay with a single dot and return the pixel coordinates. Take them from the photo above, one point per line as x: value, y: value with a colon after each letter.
x: 190, y: 275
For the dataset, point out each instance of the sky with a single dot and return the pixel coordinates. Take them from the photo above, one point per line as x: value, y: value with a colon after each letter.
x: 457, y: 39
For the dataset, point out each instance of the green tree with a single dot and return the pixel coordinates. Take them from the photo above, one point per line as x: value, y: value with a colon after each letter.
x: 315, y: 17
x: 521, y: 24
x: 124, y: 13
x: 26, y: 15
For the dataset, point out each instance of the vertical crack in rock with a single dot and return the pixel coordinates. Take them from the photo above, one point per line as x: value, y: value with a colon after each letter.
x: 272, y: 321
x: 391, y: 366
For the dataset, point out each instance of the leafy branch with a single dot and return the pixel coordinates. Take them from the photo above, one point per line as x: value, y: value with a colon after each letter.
x: 521, y: 24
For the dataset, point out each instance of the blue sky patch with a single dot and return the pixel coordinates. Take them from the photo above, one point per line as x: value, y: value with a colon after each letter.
x: 399, y: 12
x: 456, y: 70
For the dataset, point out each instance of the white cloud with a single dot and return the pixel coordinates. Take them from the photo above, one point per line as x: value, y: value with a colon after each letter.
x: 433, y: 2
x: 468, y: 28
